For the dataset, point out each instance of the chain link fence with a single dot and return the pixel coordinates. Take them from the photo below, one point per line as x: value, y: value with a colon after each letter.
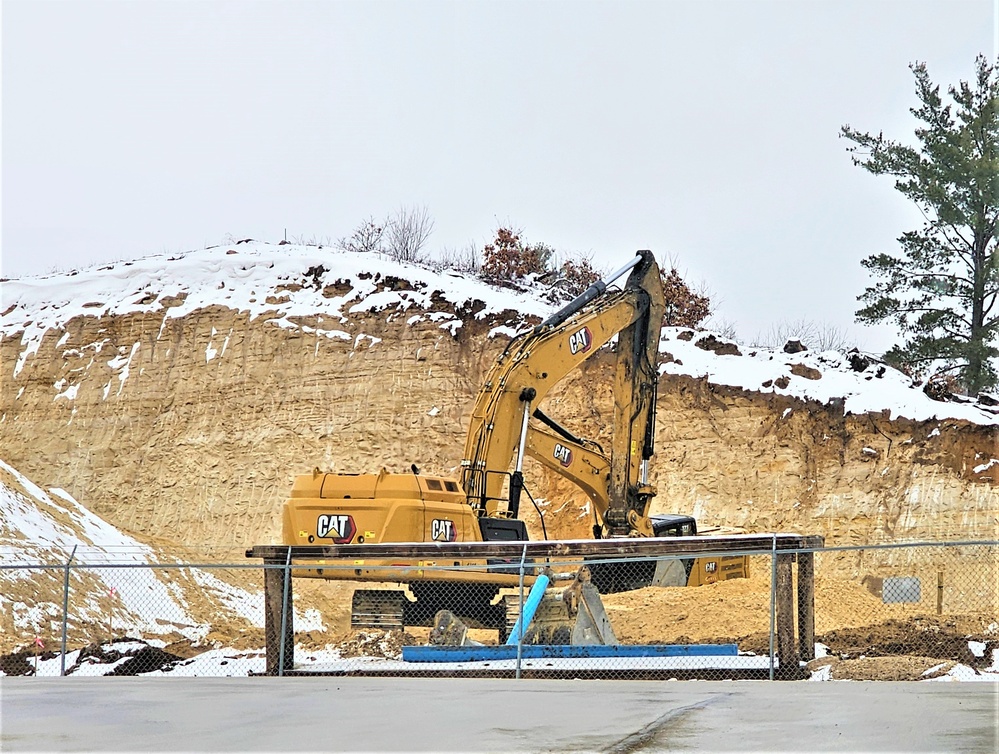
x: 893, y: 612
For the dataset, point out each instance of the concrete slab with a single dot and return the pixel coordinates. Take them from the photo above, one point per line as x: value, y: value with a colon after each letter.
x: 387, y: 715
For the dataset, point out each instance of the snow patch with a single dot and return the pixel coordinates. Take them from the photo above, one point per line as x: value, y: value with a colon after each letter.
x: 117, y: 578
x: 69, y: 393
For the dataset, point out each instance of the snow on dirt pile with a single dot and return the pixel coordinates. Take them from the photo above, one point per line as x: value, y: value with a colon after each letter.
x: 862, y: 385
x: 111, y: 586
x: 319, y: 291
x: 283, y: 284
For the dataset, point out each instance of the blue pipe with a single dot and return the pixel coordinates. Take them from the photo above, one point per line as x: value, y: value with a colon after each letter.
x: 530, y: 607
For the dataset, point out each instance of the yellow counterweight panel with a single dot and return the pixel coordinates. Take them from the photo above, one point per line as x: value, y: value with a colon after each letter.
x: 722, y: 568
x: 373, y: 508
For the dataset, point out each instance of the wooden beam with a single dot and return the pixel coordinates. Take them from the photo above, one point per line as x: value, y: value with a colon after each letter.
x: 277, y: 579
x: 620, y: 547
x: 787, y: 650
x: 806, y: 605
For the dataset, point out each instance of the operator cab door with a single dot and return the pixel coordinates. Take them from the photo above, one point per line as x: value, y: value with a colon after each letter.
x: 504, y: 530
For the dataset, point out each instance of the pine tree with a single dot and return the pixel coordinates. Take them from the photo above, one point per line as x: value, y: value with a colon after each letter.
x: 941, y: 289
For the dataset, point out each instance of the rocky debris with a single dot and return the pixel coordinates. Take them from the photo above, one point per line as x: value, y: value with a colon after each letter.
x: 800, y: 370
x: 20, y: 662
x: 794, y: 346
x: 944, y: 388
x: 139, y: 657
x: 386, y: 644
x: 858, y: 362
x: 145, y: 661
x: 720, y: 347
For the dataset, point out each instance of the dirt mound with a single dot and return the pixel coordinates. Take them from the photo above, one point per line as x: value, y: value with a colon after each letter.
x: 882, y: 668
x: 922, y: 636
x: 375, y: 644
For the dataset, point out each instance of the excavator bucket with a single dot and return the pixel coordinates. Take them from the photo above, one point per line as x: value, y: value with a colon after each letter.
x: 592, y: 624
x: 450, y: 631
x: 574, y: 615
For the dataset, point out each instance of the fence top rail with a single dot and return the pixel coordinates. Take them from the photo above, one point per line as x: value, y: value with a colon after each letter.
x: 641, y: 546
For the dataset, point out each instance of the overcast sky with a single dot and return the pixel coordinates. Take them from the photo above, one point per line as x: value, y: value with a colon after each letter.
x: 706, y: 131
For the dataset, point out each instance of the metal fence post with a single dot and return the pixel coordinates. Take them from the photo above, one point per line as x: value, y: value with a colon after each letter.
x: 284, y: 612
x: 523, y: 628
x: 773, y: 601
x: 65, y: 612
x: 806, y: 606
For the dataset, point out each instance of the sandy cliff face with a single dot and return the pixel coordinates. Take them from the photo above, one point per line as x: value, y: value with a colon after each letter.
x: 772, y: 463
x: 204, y: 451
x: 192, y: 428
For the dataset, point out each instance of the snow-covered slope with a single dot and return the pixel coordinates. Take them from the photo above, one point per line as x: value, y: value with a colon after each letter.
x: 861, y: 384
x: 117, y: 584
x: 317, y: 290
x: 282, y: 283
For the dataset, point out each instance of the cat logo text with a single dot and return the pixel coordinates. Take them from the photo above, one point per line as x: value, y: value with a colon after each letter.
x: 580, y: 341
x: 563, y: 454
x: 443, y: 530
x: 338, y: 527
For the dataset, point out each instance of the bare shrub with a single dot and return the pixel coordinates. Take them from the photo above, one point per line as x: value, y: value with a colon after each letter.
x: 816, y: 336
x: 313, y: 240
x: 464, y: 259
x: 408, y: 231
x: 724, y: 327
x: 367, y: 238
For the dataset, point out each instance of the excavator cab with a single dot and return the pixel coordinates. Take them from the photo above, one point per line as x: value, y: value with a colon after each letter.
x: 673, y: 525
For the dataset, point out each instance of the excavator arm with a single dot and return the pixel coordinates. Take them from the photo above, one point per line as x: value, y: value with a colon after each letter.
x: 501, y: 433
x: 585, y: 466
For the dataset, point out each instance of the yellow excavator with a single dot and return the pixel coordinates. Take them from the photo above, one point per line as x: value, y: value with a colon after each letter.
x: 484, y: 503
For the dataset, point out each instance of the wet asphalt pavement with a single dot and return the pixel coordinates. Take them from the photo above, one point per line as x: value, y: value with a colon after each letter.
x: 472, y: 715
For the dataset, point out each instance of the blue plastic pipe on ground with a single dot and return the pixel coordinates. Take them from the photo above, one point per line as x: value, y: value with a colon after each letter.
x: 568, y: 652
x: 530, y: 607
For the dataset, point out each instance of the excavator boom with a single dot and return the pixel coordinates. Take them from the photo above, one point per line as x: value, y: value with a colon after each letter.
x: 537, y: 360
